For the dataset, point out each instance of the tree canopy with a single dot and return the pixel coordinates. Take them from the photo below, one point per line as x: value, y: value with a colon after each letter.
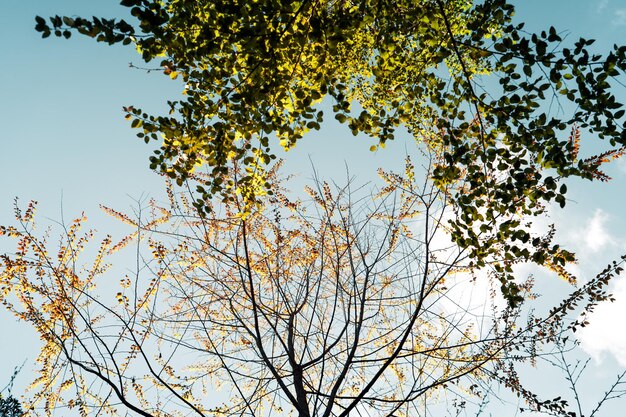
x: 504, y: 109
x: 350, y: 301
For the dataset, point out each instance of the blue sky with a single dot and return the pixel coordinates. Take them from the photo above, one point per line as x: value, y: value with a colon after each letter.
x: 65, y: 143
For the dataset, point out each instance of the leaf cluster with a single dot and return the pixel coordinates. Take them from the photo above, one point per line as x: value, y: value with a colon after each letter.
x: 462, y: 78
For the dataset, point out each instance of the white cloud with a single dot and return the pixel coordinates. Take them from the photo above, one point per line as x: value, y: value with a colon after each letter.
x: 467, y: 299
x: 588, y: 238
x: 619, y: 17
x: 595, y: 236
x: 605, y: 335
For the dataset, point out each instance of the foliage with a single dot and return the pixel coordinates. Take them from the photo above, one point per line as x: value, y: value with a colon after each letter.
x: 459, y: 76
x: 345, y: 302
x: 10, y: 406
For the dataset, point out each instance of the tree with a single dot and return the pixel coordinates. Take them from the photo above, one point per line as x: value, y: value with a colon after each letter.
x: 345, y: 303
x: 460, y: 76
x: 340, y: 304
